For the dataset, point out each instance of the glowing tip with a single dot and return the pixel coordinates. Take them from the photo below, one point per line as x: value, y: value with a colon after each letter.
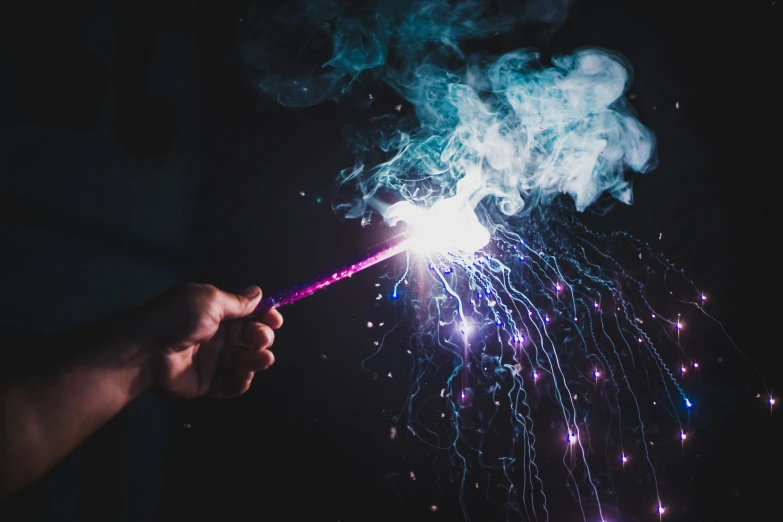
x: 535, y: 375
x: 571, y: 438
x: 596, y: 374
x: 695, y: 365
x: 661, y: 509
x: 679, y: 326
x: 683, y: 369
x: 683, y: 436
x: 771, y: 401
x: 703, y: 297
x: 558, y: 287
x: 624, y: 459
x: 595, y: 305
x: 688, y: 403
x: 450, y: 224
x: 465, y: 328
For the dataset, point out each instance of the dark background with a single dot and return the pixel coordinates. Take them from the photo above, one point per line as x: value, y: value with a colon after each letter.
x: 135, y: 153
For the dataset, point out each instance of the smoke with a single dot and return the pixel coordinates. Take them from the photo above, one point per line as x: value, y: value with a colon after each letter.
x: 504, y: 132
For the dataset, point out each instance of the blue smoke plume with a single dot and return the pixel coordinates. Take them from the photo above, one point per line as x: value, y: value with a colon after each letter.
x: 525, y: 132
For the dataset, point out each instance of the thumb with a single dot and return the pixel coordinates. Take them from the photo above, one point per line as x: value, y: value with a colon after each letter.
x: 235, y: 306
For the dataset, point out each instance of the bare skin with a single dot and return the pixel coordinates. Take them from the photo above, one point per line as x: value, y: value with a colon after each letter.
x: 192, y: 341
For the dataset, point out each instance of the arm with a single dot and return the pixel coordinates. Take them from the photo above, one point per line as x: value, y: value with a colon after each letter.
x: 194, y: 340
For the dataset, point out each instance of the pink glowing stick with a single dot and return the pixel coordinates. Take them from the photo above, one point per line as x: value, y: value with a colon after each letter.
x: 378, y: 253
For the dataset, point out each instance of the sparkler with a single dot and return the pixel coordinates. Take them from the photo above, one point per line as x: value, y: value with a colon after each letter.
x: 517, y: 301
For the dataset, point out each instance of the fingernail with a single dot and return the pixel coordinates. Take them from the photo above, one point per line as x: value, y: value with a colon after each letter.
x: 251, y: 291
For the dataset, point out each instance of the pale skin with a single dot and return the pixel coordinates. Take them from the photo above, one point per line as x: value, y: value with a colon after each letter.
x: 192, y: 341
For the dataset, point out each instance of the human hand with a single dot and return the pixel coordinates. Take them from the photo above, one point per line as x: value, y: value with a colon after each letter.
x: 206, y: 342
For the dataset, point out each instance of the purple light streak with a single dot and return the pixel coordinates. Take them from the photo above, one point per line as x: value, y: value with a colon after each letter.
x: 377, y: 254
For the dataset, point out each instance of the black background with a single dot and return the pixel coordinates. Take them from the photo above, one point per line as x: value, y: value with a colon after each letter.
x: 135, y: 153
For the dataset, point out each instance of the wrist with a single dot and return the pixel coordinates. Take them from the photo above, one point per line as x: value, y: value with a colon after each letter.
x: 119, y: 351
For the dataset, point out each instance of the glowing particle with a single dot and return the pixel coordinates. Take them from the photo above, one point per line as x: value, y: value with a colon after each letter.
x: 676, y: 105
x: 477, y: 486
x: 595, y: 305
x: 546, y: 318
x: 640, y: 340
x: 301, y: 193
x: 695, y: 365
x: 443, y: 392
x: 389, y: 375
x: 413, y: 476
x: 558, y: 287
x: 679, y: 326
x: 318, y: 199
x: 771, y: 401
x: 462, y: 396
x: 465, y: 328
x: 596, y: 374
x: 530, y: 314
x: 394, y: 295
x: 571, y: 438
x: 683, y: 436
x: 661, y: 509
x: 375, y: 343
x: 535, y: 375
x: 623, y: 459
x: 392, y: 433
x: 377, y: 285
x: 381, y: 324
x: 433, y: 508
x: 498, y: 322
x: 369, y: 324
x: 323, y: 356
x: 379, y: 297
x: 688, y: 403
x: 398, y: 108
x: 660, y: 235
x: 653, y: 316
x: 682, y: 369
x: 703, y: 297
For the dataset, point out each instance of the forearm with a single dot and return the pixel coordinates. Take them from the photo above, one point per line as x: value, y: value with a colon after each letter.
x: 47, y: 414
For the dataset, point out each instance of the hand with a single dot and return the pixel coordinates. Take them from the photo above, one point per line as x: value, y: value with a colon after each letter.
x: 207, y: 343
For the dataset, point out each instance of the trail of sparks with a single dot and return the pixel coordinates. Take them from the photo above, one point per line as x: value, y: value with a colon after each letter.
x: 550, y: 316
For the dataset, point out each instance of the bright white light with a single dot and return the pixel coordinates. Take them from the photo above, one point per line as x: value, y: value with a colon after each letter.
x: 450, y: 224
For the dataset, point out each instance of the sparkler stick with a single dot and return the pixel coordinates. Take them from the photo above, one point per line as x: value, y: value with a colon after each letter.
x: 375, y: 255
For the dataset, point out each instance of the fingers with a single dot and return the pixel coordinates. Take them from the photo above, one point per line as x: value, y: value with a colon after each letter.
x: 240, y: 359
x: 234, y: 306
x: 230, y: 385
x: 236, y: 379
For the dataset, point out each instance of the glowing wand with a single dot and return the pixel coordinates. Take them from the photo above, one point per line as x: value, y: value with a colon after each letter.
x: 375, y: 255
